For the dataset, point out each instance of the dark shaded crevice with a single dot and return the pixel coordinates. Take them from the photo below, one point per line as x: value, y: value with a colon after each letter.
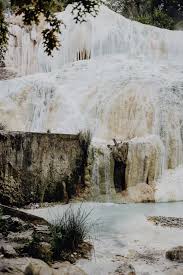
x: 119, y: 176
x: 120, y: 155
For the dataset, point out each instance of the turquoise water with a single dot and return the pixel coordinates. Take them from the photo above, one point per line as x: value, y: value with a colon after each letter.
x: 122, y: 229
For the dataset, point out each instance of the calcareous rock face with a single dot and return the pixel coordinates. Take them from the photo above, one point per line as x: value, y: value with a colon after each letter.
x: 129, y: 87
x: 39, y: 167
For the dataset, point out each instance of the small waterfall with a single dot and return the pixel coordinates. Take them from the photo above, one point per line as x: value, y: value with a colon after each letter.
x: 100, y: 173
x: 107, y: 173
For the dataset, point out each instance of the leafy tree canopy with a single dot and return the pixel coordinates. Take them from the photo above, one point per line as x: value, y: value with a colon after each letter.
x: 160, y: 13
x: 31, y: 11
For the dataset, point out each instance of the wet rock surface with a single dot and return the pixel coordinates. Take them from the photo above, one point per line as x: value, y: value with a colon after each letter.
x: 7, y: 250
x: 40, y: 167
x: 166, y: 221
x: 175, y: 254
x: 125, y: 269
x: 6, y: 73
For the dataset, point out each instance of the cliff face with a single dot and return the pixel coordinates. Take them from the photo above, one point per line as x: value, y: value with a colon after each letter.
x: 36, y: 167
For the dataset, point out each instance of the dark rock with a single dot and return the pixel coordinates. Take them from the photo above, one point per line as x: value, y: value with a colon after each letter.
x: 175, y: 254
x: 34, y: 167
x: 40, y: 245
x: 20, y: 237
x: 12, y: 224
x: 125, y: 269
x: 42, y: 232
x: 7, y: 250
x: 24, y: 216
x: 166, y: 221
x: 119, y: 153
x: 6, y: 73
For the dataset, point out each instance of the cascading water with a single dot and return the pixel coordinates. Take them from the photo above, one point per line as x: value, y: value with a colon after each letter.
x: 130, y: 87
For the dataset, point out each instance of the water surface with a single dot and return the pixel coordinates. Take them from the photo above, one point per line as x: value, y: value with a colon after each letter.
x: 123, y: 233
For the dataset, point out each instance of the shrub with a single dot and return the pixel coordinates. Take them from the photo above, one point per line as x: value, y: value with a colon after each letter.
x: 71, y: 230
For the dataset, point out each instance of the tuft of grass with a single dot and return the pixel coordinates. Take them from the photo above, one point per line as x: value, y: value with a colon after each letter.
x: 70, y: 231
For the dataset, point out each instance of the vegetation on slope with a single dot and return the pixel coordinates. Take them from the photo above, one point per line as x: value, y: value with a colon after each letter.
x: 161, y: 13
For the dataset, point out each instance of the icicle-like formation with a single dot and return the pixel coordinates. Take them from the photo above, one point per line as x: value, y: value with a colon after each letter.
x: 145, y: 159
x: 108, y: 33
x: 100, y: 174
x: 114, y: 97
x: 130, y: 87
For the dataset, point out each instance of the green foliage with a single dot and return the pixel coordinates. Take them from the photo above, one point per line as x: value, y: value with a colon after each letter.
x: 69, y: 231
x: 158, y: 19
x: 83, y: 7
x: 33, y: 10
x: 160, y: 13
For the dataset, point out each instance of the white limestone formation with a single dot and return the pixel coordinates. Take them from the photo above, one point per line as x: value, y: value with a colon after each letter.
x: 130, y: 87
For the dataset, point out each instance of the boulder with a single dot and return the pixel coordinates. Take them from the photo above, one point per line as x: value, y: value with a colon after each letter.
x: 175, y: 254
x: 30, y: 266
x: 13, y: 266
x: 7, y: 250
x: 38, y: 267
x: 125, y: 269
